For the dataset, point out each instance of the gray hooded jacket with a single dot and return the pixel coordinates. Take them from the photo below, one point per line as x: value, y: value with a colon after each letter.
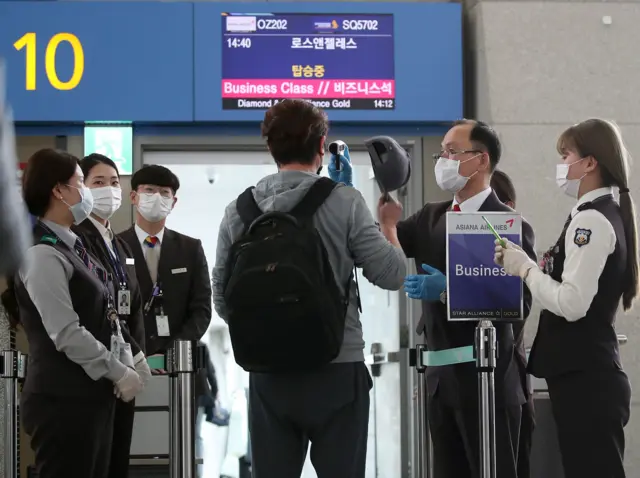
x: 348, y: 232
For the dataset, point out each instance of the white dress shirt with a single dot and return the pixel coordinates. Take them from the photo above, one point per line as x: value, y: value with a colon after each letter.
x: 583, y: 264
x: 105, y: 232
x: 142, y: 235
x: 474, y: 203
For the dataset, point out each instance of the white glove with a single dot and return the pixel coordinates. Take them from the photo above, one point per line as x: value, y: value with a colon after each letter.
x: 142, y: 367
x: 515, y: 261
x: 129, y: 386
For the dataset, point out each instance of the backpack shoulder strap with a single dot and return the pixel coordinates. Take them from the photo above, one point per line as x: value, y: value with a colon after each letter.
x: 314, y: 198
x: 247, y: 208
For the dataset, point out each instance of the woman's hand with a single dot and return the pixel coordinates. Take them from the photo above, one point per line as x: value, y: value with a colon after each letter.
x: 512, y: 258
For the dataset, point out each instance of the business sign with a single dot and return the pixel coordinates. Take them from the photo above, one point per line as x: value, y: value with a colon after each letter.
x: 323, y: 58
x: 181, y: 62
x: 114, y: 142
x: 477, y: 288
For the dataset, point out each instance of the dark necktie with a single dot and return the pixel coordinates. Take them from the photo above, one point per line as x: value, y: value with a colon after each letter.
x: 84, y: 256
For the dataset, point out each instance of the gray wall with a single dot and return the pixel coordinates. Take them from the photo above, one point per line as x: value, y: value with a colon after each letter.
x: 536, y: 68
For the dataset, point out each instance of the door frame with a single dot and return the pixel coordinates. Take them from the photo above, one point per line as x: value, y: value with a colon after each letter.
x: 409, y: 313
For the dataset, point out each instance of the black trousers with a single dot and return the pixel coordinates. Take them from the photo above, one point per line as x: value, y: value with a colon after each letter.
x: 328, y: 408
x: 527, y: 426
x: 591, y: 410
x: 456, y: 442
x: 122, y: 434
x: 71, y: 436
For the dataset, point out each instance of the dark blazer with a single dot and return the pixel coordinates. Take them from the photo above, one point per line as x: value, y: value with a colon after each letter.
x: 186, y: 287
x: 133, y: 329
x: 423, y: 238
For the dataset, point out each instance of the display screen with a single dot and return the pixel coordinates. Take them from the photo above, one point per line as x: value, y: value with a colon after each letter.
x: 342, y: 61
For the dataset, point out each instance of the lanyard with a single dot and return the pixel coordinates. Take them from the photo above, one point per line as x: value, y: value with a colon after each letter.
x: 114, y: 258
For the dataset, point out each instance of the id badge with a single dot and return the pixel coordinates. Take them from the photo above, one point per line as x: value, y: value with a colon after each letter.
x: 116, y: 342
x: 126, y: 356
x: 124, y: 302
x: 162, y: 323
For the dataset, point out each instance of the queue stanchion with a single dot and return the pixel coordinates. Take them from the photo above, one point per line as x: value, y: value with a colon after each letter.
x: 13, y: 365
x: 425, y: 461
x: 181, y: 368
x: 486, y: 357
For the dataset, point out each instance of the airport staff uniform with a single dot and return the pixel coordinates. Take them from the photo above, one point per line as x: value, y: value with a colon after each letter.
x: 453, y: 389
x: 576, y: 346
x: 68, y: 402
x: 176, y: 264
x: 114, y: 254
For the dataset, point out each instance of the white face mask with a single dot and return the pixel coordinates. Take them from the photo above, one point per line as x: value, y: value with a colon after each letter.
x: 81, y: 209
x: 447, y: 175
x: 154, y: 207
x: 570, y: 187
x: 106, y: 201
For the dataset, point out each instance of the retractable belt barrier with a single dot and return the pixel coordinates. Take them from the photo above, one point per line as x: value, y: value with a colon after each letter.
x: 13, y: 366
x: 183, y: 360
x: 484, y: 354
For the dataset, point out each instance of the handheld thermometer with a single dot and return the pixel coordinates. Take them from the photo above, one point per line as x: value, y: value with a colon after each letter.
x: 503, y: 243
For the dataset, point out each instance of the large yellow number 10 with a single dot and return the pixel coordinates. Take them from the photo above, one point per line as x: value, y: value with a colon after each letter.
x: 28, y: 42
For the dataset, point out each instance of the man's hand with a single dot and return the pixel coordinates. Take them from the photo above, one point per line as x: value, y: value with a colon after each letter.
x: 427, y: 286
x: 389, y: 211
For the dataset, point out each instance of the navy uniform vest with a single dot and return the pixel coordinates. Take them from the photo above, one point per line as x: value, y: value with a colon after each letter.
x: 50, y: 371
x: 590, y: 343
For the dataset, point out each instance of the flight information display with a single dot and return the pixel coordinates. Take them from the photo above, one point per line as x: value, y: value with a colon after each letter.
x: 341, y: 61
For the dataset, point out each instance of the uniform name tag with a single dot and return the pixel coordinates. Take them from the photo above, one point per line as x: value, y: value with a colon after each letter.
x: 130, y: 261
x: 181, y: 270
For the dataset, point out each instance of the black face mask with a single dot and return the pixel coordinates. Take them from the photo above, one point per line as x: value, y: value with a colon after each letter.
x: 319, y: 171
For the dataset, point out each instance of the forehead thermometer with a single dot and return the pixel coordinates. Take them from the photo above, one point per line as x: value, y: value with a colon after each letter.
x: 337, y: 148
x: 503, y: 243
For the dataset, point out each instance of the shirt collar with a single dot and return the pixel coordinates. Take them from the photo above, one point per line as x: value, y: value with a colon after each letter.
x: 474, y: 203
x: 64, y: 234
x: 105, y: 232
x: 591, y: 196
x: 142, y: 235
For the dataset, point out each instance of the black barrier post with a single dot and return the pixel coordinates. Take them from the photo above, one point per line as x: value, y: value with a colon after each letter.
x: 425, y: 455
x: 181, y: 366
x: 486, y: 357
x: 13, y: 365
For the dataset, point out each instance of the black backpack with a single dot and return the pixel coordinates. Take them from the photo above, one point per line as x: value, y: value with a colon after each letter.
x: 285, y: 310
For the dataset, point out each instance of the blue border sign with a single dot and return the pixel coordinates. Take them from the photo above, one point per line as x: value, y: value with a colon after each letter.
x: 477, y: 288
x: 161, y: 62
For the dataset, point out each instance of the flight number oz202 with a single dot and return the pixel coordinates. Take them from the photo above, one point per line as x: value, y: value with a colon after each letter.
x: 272, y: 24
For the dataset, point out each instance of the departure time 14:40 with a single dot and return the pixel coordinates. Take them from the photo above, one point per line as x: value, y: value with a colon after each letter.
x: 236, y: 42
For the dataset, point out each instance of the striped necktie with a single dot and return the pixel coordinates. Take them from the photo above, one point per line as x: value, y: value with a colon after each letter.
x: 152, y: 256
x: 84, y: 256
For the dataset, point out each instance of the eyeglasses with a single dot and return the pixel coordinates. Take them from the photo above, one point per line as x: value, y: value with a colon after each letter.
x: 164, y: 192
x: 452, y: 153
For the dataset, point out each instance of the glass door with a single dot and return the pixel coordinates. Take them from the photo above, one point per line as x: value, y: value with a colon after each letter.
x: 209, y: 181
